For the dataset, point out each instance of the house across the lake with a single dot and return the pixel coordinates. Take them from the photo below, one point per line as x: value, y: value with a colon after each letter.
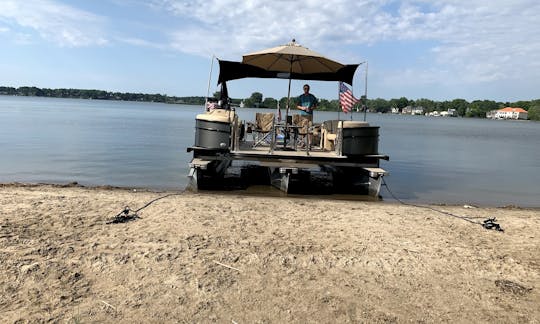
x: 508, y: 113
x: 410, y: 110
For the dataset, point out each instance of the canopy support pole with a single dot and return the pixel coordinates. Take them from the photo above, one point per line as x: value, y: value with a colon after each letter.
x: 288, y: 100
x: 289, y: 93
x: 209, y: 80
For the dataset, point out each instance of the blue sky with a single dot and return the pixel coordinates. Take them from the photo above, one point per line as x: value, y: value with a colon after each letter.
x: 440, y: 49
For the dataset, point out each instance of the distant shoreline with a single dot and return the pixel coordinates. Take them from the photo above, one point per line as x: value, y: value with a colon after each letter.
x: 99, y: 95
x: 453, y: 108
x: 119, y: 100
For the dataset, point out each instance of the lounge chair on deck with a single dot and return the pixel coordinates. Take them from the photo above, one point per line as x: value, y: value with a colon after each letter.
x: 264, y: 125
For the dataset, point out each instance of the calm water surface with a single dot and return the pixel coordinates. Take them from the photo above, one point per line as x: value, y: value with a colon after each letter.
x: 93, y: 142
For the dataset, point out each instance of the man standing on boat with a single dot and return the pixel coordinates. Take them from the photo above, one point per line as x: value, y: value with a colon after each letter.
x: 306, y: 103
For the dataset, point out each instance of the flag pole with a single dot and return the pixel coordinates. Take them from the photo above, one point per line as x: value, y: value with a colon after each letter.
x: 365, y: 93
x: 339, y: 103
x: 352, y: 108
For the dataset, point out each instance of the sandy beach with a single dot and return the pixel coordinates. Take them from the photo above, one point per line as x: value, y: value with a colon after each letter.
x: 241, y: 259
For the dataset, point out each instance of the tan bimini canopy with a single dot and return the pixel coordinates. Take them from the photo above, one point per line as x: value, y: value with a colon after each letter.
x: 292, y: 58
x: 290, y: 61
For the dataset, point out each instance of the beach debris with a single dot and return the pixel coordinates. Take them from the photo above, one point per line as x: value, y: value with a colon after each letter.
x: 124, y: 216
x: 226, y: 266
x: 108, y: 306
x: 511, y: 207
x: 491, y: 224
x: 469, y: 206
x: 512, y: 287
x: 28, y: 268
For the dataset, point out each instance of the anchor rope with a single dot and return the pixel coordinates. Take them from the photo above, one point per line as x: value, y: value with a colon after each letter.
x: 489, y: 223
x: 127, y: 214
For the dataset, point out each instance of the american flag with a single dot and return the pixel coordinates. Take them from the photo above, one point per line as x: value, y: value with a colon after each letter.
x: 346, y: 98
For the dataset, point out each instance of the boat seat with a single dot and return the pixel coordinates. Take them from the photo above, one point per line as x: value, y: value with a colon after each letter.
x: 218, y: 115
x: 329, y: 134
x: 304, y: 121
x: 264, y: 125
x: 330, y: 129
x: 307, y: 129
x: 352, y: 124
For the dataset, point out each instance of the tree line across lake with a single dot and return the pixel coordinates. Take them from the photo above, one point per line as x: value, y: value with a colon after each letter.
x: 476, y: 108
x: 98, y: 94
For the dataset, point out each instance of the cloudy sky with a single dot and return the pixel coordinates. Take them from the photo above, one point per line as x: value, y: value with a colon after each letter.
x: 439, y: 49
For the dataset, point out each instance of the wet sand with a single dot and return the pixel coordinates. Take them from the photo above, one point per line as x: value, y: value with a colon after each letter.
x: 244, y: 259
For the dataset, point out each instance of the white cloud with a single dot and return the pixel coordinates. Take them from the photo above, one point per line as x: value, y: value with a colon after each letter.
x: 232, y: 27
x: 140, y: 42
x: 484, y: 41
x: 476, y: 40
x: 57, y: 22
x: 457, y: 42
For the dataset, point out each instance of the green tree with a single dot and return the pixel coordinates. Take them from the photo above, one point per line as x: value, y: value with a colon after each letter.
x: 323, y: 105
x: 534, y: 112
x: 283, y: 103
x: 269, y: 103
x: 460, y: 105
x: 8, y: 91
x: 379, y: 105
x: 479, y: 108
x: 521, y: 104
x: 427, y: 104
x: 248, y: 103
x: 399, y: 103
x: 256, y: 98
x: 328, y: 105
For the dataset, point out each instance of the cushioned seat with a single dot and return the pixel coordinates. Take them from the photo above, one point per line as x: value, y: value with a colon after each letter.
x: 305, y: 130
x: 353, y: 124
x: 330, y: 128
x: 218, y: 115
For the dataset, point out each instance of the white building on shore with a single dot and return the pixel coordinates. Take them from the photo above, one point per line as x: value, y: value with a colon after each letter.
x: 508, y: 113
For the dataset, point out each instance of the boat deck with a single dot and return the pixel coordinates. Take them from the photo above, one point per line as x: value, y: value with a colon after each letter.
x: 314, y: 152
x: 287, y: 156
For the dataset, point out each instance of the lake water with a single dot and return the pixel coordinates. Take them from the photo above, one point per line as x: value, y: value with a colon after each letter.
x: 94, y: 142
